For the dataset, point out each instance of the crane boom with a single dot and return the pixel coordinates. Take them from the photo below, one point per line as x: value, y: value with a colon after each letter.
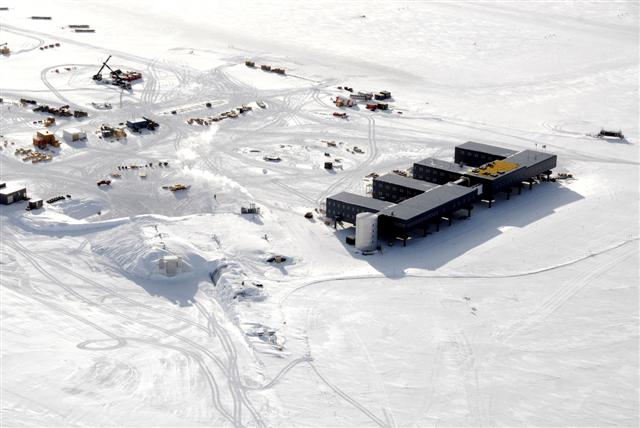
x: 98, y: 75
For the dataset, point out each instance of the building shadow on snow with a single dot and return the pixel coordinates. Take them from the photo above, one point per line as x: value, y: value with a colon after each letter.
x: 179, y: 290
x: 439, y: 248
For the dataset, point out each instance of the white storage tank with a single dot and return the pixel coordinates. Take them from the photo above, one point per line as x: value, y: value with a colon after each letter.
x: 366, y: 231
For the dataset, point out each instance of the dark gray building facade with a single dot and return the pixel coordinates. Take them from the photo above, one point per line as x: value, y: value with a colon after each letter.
x: 438, y: 171
x: 439, y: 188
x: 425, y: 208
x: 495, y: 176
x: 345, y: 206
x: 476, y: 154
x: 528, y: 164
x: 396, y: 188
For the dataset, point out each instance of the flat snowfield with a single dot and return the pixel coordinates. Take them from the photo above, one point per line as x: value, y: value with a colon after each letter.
x: 524, y: 314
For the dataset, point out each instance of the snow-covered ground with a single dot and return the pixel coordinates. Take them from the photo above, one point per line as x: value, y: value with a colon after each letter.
x: 525, y: 314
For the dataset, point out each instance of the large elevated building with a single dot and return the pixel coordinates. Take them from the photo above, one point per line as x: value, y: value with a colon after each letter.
x: 500, y: 174
x: 440, y: 188
x: 419, y: 211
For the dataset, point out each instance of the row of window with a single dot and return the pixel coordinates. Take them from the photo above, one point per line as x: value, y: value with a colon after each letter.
x: 401, y: 190
x: 435, y: 173
x: 353, y: 210
x: 343, y: 208
x: 475, y: 154
x: 391, y: 187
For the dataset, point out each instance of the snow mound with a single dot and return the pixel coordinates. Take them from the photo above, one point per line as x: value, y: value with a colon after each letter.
x: 233, y: 285
x: 51, y: 221
x: 136, y: 248
x: 81, y: 208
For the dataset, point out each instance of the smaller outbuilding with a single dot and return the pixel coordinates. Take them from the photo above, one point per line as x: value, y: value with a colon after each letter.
x: 343, y: 102
x: 10, y: 193
x: 608, y: 134
x: 382, y: 95
x: 35, y: 204
x: 73, y: 134
x: 362, y: 96
x: 137, y: 124
x: 170, y: 265
x: 43, y: 139
x: 141, y: 123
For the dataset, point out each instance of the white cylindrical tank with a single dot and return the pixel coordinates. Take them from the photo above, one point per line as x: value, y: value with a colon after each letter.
x: 366, y: 231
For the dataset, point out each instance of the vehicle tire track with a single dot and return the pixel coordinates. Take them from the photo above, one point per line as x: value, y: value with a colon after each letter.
x: 358, y: 171
x: 562, y: 295
x: 348, y: 398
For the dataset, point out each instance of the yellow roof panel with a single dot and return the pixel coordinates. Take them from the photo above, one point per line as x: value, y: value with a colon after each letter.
x: 496, y: 167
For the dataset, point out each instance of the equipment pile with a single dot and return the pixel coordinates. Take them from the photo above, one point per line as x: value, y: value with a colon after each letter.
x: 63, y: 111
x: 31, y: 155
x: 177, y: 187
x: 231, y: 114
x: 108, y: 131
x: 119, y: 78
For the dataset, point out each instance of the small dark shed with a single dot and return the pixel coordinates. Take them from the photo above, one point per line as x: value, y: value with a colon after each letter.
x: 35, y: 204
x: 141, y: 123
